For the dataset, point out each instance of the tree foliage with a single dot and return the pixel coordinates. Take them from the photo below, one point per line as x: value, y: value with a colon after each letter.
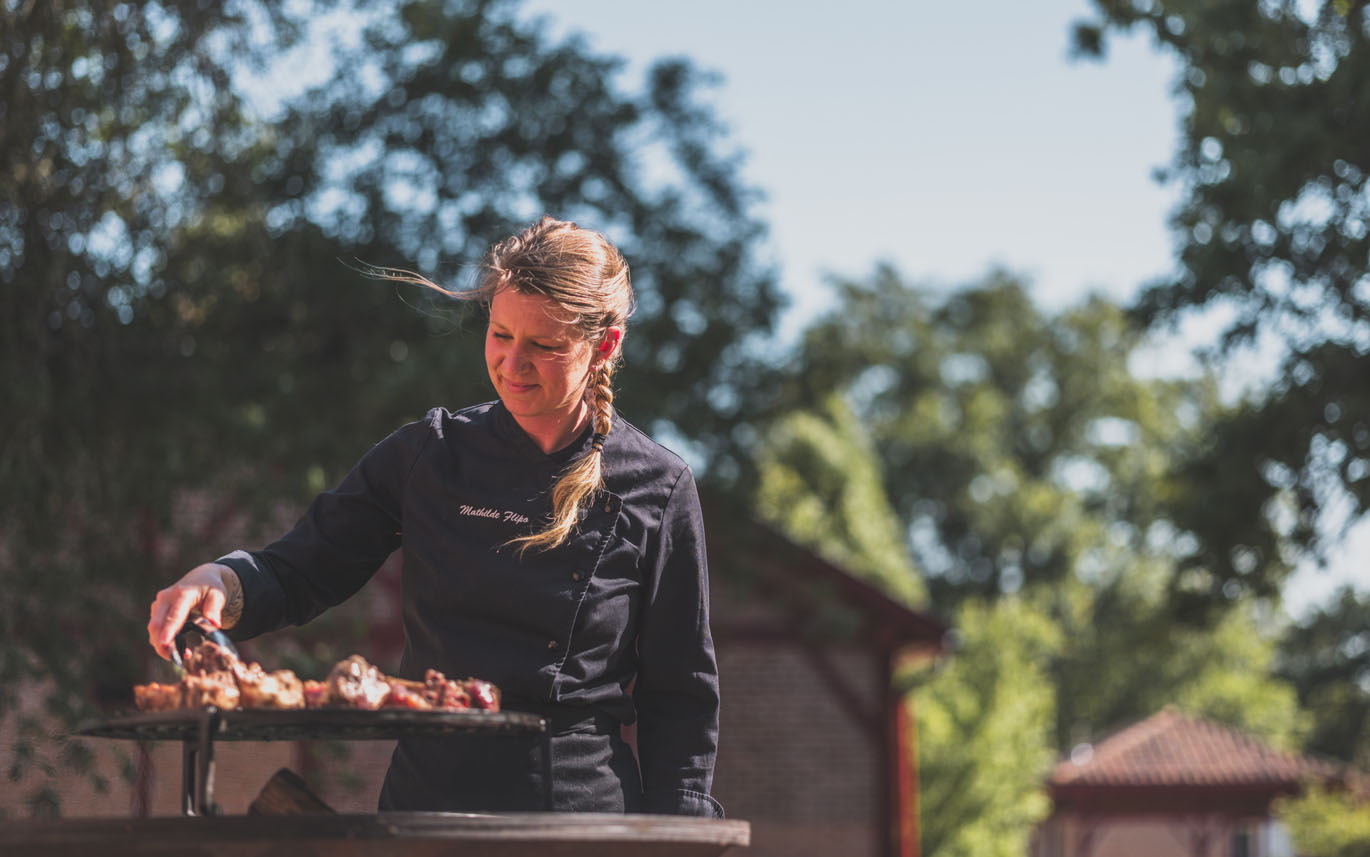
x: 101, y: 106
x: 1327, y: 823
x: 181, y: 310
x: 1326, y: 656
x: 1127, y: 658
x: 1030, y: 471
x: 1273, y: 237
x: 819, y: 480
x: 1017, y: 448
x: 984, y: 727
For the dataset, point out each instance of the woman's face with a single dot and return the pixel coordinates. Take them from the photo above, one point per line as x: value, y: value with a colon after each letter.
x: 538, y: 364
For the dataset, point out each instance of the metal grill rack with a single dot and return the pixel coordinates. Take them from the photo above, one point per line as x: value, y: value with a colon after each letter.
x: 198, y: 729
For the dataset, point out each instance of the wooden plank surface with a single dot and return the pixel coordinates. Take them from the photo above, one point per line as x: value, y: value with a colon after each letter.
x: 380, y: 835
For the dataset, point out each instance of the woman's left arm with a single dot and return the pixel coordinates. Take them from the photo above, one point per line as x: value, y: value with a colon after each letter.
x: 676, y: 692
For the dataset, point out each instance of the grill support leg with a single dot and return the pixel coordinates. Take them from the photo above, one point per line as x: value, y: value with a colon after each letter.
x: 188, y: 777
x: 546, y: 765
x: 197, y: 767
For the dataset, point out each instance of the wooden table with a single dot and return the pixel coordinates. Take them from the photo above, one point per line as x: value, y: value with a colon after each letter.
x: 400, y: 834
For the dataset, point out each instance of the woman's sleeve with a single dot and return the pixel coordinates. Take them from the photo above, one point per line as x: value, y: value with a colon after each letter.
x: 676, y: 691
x: 336, y: 547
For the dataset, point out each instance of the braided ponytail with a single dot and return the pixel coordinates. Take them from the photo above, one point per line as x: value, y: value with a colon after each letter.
x: 584, y: 478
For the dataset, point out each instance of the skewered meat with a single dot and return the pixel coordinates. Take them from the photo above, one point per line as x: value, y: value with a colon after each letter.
x: 358, y: 684
x: 218, y: 689
x: 210, y: 657
x: 157, y: 697
x: 262, y: 689
x: 407, y: 694
x: 445, y: 692
x: 484, y: 695
x: 315, y: 694
x: 216, y: 677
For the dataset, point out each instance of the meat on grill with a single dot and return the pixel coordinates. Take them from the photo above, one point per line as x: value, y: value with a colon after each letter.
x: 216, y: 677
x: 216, y: 688
x: 262, y: 689
x: 440, y: 692
x: 355, y: 683
x: 157, y: 697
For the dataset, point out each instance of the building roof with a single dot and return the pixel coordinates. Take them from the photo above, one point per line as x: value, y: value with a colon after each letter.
x: 784, y: 574
x: 1171, y: 750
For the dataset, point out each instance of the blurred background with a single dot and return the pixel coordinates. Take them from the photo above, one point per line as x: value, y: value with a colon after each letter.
x: 1051, y: 320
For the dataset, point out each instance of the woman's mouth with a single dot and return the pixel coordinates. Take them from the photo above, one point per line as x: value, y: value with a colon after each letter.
x: 516, y: 387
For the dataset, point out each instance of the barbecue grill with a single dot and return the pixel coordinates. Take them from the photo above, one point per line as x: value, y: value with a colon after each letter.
x: 203, y: 830
x: 198, y: 729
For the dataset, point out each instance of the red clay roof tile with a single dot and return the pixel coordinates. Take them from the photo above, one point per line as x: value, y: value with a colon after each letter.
x: 1169, y: 749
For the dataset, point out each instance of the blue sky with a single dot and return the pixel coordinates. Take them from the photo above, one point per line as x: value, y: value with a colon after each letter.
x: 942, y: 137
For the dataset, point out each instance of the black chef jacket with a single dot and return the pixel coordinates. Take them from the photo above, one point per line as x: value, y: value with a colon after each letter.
x: 565, y: 630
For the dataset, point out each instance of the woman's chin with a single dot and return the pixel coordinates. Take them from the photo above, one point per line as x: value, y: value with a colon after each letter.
x: 521, y: 406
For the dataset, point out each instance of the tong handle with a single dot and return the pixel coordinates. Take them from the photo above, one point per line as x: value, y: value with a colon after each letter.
x: 206, y: 630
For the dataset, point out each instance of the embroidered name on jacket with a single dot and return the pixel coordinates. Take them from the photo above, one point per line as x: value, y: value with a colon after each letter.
x: 506, y: 515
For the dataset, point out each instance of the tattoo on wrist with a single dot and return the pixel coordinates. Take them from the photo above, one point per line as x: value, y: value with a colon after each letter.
x: 233, y: 604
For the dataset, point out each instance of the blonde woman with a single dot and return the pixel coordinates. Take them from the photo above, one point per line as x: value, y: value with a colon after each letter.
x: 549, y: 547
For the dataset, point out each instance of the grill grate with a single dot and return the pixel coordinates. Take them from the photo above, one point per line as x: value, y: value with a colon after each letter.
x: 255, y: 724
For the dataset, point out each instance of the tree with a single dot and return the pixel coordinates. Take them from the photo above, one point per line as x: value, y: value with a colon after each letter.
x: 181, y: 307
x: 1030, y: 471
x: 1017, y: 448
x: 984, y: 733
x: 101, y: 105
x: 1327, y: 823
x: 1272, y: 235
x: 819, y: 481
x: 1127, y: 658
x: 1326, y: 656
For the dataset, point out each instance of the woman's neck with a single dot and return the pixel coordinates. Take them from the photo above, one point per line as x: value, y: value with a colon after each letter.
x: 553, y: 433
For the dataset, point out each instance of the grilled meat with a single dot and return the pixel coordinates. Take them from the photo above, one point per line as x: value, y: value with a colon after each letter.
x: 262, y: 689
x: 157, y: 697
x: 354, y: 682
x: 215, y: 677
x: 217, y: 689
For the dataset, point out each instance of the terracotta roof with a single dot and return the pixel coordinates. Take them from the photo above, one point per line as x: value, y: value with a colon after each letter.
x: 1169, y: 749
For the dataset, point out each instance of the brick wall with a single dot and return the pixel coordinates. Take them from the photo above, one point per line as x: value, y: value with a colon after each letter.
x: 792, y: 760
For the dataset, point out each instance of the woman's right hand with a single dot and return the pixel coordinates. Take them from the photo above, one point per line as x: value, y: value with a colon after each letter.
x: 211, y: 589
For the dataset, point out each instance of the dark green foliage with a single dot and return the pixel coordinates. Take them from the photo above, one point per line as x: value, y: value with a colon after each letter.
x: 180, y: 312
x: 1032, y: 475
x: 820, y: 481
x: 1330, y: 823
x: 1273, y: 233
x: 1327, y: 658
x: 1016, y: 447
x: 984, y: 726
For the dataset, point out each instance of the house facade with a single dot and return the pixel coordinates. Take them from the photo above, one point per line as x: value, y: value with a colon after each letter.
x: 1173, y: 786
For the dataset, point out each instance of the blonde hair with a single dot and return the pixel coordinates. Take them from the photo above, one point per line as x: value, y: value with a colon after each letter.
x: 586, y: 277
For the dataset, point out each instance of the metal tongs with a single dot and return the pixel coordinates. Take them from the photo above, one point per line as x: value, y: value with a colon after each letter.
x: 207, y: 631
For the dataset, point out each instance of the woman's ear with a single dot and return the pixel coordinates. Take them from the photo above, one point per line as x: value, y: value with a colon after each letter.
x: 608, y: 345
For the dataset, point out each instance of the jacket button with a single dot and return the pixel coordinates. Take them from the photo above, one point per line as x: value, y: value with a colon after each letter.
x: 551, y: 645
x: 575, y: 575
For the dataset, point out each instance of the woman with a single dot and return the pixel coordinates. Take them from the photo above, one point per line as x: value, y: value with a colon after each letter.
x: 549, y: 547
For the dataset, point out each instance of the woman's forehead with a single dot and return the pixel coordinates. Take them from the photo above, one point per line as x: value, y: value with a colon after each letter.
x: 531, y: 313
